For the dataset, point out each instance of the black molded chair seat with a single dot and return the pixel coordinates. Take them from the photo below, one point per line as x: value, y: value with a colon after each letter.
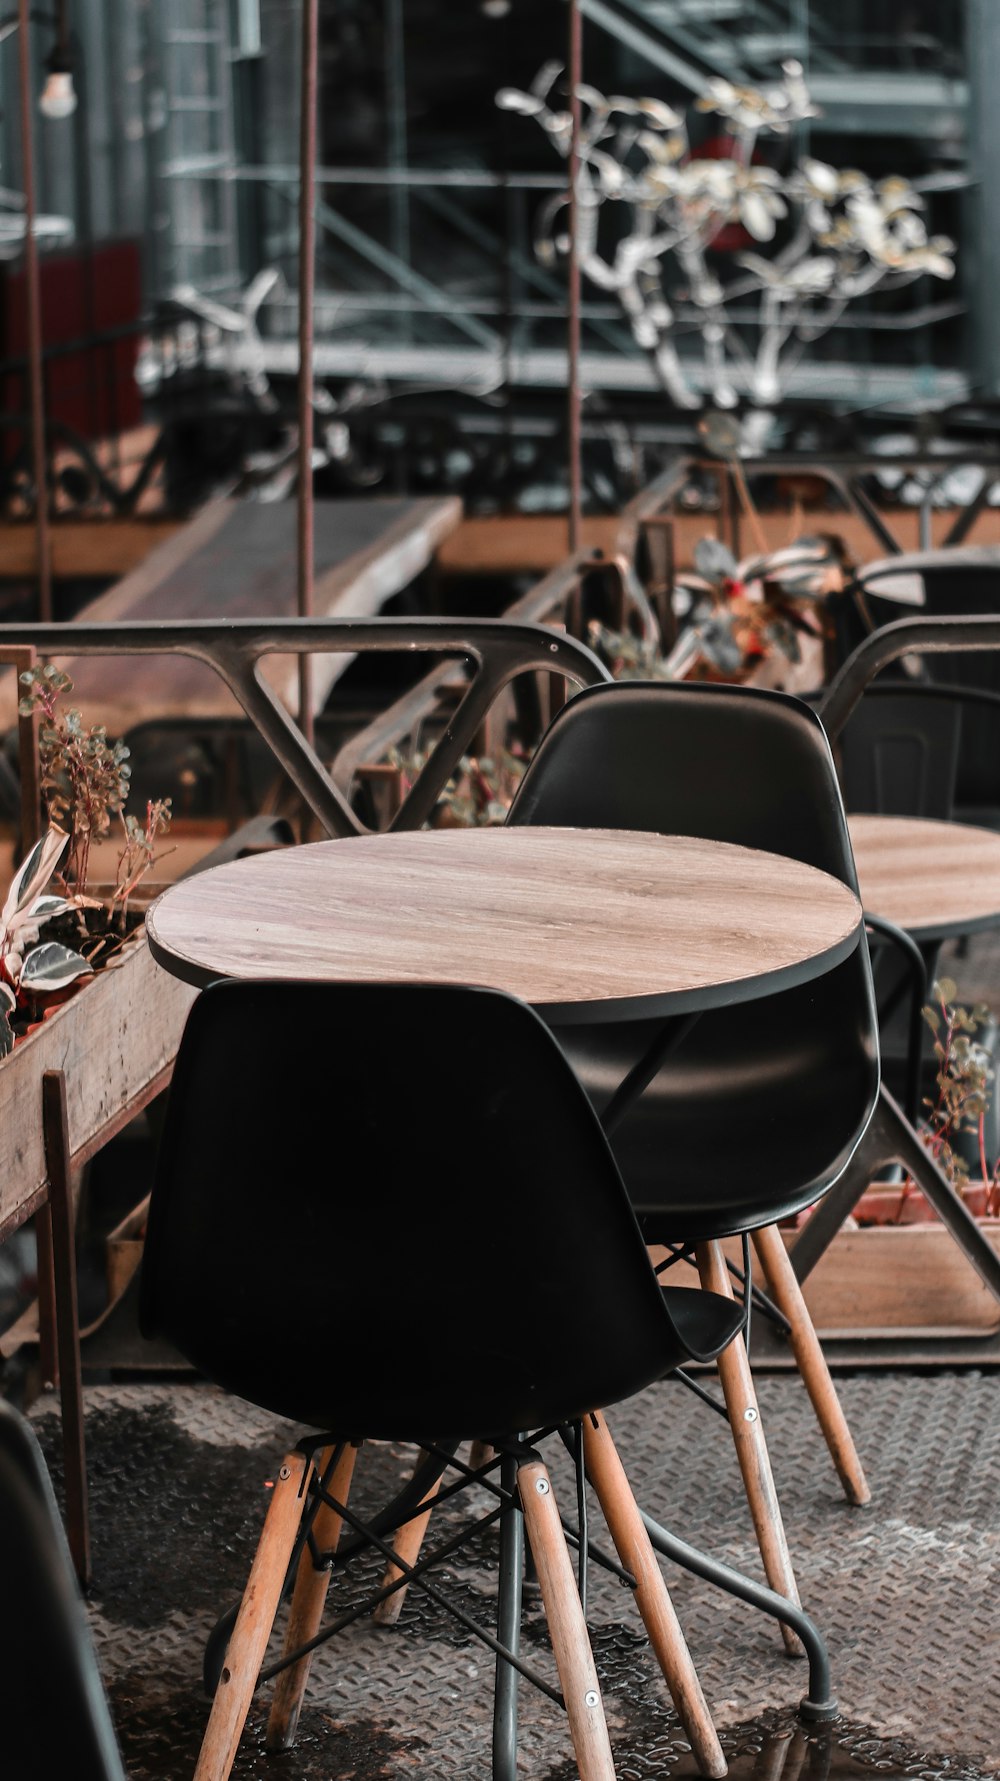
x: 763, y: 1104
x: 390, y: 1211
x: 57, y: 1720
x: 758, y: 1110
x: 696, y: 1169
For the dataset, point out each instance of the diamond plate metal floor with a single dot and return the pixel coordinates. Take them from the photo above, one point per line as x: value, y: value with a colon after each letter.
x: 906, y: 1592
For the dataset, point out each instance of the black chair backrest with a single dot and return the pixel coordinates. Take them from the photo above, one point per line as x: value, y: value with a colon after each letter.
x: 898, y: 752
x: 957, y: 584
x: 57, y: 1720
x: 753, y: 767
x: 726, y: 763
x: 356, y: 1178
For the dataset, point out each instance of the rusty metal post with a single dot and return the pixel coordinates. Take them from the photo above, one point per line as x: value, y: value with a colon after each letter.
x: 307, y: 266
x: 33, y: 300
x: 19, y: 657
x: 55, y: 1125
x: 574, y: 62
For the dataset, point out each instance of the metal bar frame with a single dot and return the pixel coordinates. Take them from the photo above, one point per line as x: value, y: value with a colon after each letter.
x: 307, y: 274
x: 497, y: 650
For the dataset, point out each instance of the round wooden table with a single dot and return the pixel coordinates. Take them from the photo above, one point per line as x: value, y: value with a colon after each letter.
x: 581, y: 923
x: 935, y: 879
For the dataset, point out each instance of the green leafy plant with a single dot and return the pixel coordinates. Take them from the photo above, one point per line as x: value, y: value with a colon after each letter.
x: 734, y: 614
x: 85, y: 782
x: 26, y: 968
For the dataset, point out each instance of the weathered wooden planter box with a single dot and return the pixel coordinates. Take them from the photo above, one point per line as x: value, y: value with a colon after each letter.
x: 901, y: 1280
x: 905, y: 1280
x: 112, y: 1040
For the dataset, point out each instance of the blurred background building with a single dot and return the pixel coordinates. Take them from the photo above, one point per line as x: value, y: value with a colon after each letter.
x: 438, y: 331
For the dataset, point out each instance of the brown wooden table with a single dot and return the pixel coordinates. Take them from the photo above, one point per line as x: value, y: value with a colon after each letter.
x: 935, y: 879
x: 580, y: 923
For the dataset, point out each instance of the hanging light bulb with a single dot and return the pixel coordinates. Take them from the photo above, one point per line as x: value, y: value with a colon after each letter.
x: 58, y: 95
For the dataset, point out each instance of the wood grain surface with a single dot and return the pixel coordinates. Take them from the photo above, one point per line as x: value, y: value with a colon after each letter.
x: 563, y: 918
x: 935, y: 879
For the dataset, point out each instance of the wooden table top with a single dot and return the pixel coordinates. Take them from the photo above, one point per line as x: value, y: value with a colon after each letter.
x: 935, y: 879
x: 574, y: 921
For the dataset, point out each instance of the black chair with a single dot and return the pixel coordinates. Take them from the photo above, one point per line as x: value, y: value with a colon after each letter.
x: 57, y: 1720
x: 305, y: 1123
x: 762, y: 1104
x: 900, y: 754
x: 906, y: 749
x: 948, y: 583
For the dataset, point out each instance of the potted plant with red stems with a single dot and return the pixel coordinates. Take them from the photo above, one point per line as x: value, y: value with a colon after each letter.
x: 954, y: 1125
x: 894, y: 1269
x: 79, y: 991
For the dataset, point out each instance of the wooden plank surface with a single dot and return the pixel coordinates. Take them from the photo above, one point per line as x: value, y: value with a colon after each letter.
x: 887, y: 1280
x: 506, y: 543
x: 112, y: 1038
x: 560, y: 917
x: 236, y: 559
x: 82, y: 548
x: 934, y: 879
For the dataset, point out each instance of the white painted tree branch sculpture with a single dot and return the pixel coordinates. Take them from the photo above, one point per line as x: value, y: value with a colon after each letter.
x: 840, y: 234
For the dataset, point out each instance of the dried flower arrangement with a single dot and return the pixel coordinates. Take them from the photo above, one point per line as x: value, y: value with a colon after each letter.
x: 85, y: 783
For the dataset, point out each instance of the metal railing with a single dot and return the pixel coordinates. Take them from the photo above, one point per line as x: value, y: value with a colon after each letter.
x: 495, y: 650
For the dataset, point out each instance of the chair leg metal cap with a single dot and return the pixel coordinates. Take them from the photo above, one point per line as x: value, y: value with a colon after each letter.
x: 818, y: 1712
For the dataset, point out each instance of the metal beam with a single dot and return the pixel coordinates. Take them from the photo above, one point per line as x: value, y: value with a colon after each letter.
x: 980, y: 246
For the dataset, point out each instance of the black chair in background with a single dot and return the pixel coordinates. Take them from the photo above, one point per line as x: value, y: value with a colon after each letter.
x: 762, y: 1104
x: 945, y: 643
x: 56, y: 1720
x: 905, y: 748
x: 305, y: 1122
x: 899, y: 754
x: 948, y: 583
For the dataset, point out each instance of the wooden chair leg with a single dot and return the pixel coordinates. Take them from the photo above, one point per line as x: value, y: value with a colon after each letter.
x: 248, y: 1643
x: 751, y: 1448
x: 618, y: 1505
x: 811, y: 1361
x: 408, y: 1541
x: 308, y: 1602
x: 567, y: 1626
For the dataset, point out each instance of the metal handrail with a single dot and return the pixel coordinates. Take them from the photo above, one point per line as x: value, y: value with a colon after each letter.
x: 842, y: 472
x: 235, y: 649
